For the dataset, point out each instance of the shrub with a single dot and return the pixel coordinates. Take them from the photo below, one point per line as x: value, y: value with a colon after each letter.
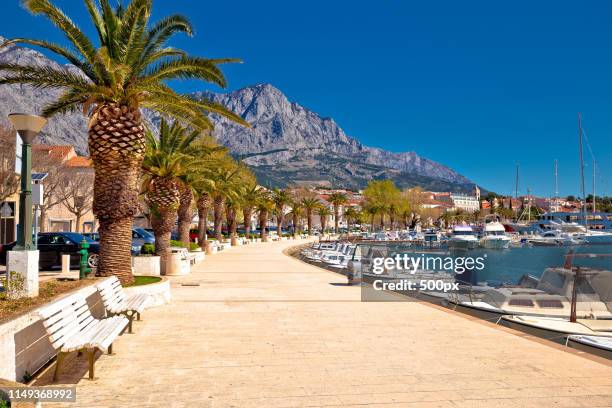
x: 148, y: 249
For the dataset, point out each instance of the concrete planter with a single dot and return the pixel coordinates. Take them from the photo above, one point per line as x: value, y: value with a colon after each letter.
x: 146, y: 265
x: 24, y: 343
x: 225, y: 246
x: 198, y: 256
x: 160, y: 292
x: 178, y: 265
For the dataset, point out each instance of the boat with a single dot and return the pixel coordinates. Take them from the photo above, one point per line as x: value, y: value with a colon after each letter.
x: 494, y: 236
x: 597, y: 221
x: 549, y: 296
x: 598, y: 345
x: 556, y: 328
x: 555, y: 238
x: 462, y: 237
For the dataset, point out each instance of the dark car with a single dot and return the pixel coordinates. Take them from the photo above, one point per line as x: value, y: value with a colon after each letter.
x: 52, y: 245
x: 139, y: 238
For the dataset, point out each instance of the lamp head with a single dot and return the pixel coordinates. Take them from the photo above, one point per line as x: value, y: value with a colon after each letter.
x: 28, y: 126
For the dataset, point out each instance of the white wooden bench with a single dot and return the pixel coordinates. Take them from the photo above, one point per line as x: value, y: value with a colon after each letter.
x: 116, y: 302
x: 71, y: 327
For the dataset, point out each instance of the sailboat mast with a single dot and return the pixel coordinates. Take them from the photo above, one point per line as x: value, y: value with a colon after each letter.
x: 556, y: 198
x: 582, y: 169
x: 516, y: 182
x: 594, y: 200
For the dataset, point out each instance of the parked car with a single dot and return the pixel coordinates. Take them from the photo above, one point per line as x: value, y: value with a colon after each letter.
x: 52, y: 245
x: 137, y: 239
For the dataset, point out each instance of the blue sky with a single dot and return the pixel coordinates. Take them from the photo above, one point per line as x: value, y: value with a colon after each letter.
x: 478, y: 86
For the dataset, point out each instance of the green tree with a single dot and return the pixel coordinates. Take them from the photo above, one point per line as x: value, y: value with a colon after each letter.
x: 323, y: 213
x: 336, y: 200
x: 310, y: 205
x: 281, y: 198
x: 127, y: 69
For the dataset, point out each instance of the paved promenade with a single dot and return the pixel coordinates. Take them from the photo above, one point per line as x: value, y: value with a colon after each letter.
x: 265, y: 330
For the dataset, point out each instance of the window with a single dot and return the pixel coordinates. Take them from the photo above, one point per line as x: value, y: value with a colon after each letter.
x: 521, y: 302
x: 550, y: 304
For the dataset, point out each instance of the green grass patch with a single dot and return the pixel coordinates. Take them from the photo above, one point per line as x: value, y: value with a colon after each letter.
x: 143, y: 280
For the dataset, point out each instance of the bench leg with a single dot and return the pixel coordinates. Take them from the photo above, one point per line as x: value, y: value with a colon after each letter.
x: 58, y: 361
x: 91, y: 353
x: 130, y: 316
x: 110, y: 349
x: 138, y: 316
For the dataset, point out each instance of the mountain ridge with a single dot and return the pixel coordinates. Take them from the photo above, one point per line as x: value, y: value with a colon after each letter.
x: 286, y: 144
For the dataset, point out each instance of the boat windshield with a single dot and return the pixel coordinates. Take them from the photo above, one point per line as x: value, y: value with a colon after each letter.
x: 463, y: 233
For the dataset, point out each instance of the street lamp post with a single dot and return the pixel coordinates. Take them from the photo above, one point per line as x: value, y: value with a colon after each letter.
x: 28, y: 127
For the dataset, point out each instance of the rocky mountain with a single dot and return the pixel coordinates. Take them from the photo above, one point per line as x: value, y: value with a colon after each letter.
x: 286, y: 144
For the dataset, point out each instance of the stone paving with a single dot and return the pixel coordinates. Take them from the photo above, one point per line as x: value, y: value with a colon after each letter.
x: 266, y: 330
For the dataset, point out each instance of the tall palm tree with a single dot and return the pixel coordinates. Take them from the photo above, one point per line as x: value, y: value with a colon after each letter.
x: 185, y: 214
x: 296, y: 213
x: 250, y: 196
x: 310, y: 204
x: 231, y: 210
x: 264, y: 207
x: 323, y: 213
x: 203, y: 204
x: 337, y: 199
x: 224, y: 184
x: 281, y: 198
x: 128, y: 69
x: 350, y: 213
x: 166, y: 160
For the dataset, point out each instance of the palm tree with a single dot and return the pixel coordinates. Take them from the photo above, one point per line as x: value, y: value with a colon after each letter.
x: 310, y: 204
x: 128, y: 69
x: 281, y: 198
x: 203, y: 204
x: 323, y: 213
x: 296, y: 213
x: 250, y: 196
x: 337, y: 199
x: 351, y: 215
x: 264, y: 207
x: 166, y: 160
x: 231, y: 210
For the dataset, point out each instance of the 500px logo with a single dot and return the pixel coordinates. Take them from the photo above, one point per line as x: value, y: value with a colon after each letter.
x: 411, y: 264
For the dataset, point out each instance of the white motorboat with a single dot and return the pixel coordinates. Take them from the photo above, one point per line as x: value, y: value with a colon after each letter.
x: 555, y: 238
x: 462, y: 237
x: 549, y: 296
x: 556, y: 328
x: 494, y: 236
x: 599, y: 345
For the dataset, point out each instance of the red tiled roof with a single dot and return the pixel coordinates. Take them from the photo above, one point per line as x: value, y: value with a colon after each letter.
x: 58, y: 152
x: 79, y: 161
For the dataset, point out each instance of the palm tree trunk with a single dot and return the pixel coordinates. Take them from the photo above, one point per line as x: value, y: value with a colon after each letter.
x: 246, y: 214
x: 279, y: 220
x: 162, y: 223
x: 309, y: 215
x: 218, y: 217
x: 230, y: 213
x: 184, y: 216
x: 336, y: 220
x: 117, y: 146
x: 263, y: 221
x: 295, y: 225
x: 202, y: 236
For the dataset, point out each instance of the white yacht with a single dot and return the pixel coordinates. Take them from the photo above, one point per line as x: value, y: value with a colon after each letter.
x: 555, y: 238
x: 494, y: 236
x: 462, y: 237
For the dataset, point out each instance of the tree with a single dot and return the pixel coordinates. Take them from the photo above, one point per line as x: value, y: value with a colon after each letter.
x: 296, y: 214
x: 76, y: 191
x: 44, y: 162
x: 167, y: 159
x: 281, y: 198
x: 249, y: 198
x: 323, y: 213
x: 310, y: 204
x: 9, y: 179
x: 336, y: 200
x: 379, y: 195
x: 128, y: 69
x: 350, y: 213
x: 265, y: 205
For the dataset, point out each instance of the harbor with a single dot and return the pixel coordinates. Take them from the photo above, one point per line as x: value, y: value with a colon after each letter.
x: 256, y: 328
